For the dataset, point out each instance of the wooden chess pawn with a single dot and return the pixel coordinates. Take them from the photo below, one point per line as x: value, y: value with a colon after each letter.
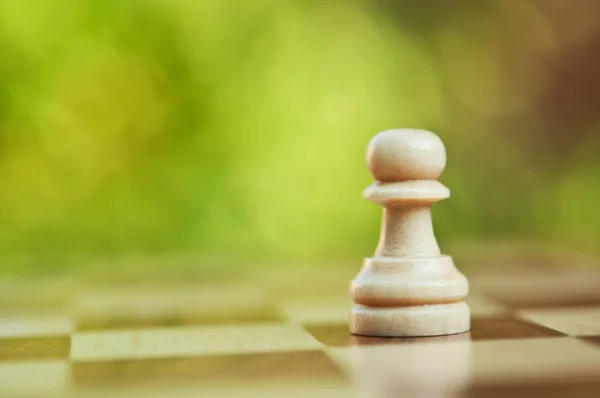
x: 408, y: 288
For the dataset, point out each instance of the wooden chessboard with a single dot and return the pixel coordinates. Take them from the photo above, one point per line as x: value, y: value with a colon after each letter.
x: 283, y: 332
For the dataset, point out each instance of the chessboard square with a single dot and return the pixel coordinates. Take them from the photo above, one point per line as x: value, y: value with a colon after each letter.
x: 310, y: 366
x: 532, y: 360
x: 288, y: 389
x: 338, y: 335
x: 165, y: 306
x: 28, y: 348
x: 264, y: 388
x: 482, y: 328
x: 507, y: 327
x: 41, y: 293
x: 190, y: 341
x: 242, y: 389
x: 571, y: 388
x: 99, y: 322
x: 457, y: 365
x: 407, y: 369
x: 575, y: 321
x: 559, y: 288
x: 342, y: 357
x: 591, y: 339
x: 481, y: 305
x: 34, y: 325
x: 43, y: 378
x: 317, y: 310
x: 331, y: 335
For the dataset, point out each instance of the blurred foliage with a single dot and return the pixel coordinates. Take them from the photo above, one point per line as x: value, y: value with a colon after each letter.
x: 239, y: 127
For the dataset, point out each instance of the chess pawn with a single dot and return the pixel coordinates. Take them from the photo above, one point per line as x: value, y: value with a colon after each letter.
x: 408, y: 288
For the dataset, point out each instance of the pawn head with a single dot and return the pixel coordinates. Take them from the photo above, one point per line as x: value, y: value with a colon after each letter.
x: 406, y: 154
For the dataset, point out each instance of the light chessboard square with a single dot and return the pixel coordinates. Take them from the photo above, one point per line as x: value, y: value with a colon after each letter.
x: 34, y: 324
x: 167, y: 305
x: 543, y: 359
x: 35, y: 378
x: 190, y: 341
x: 458, y: 365
x: 423, y: 369
x: 574, y: 321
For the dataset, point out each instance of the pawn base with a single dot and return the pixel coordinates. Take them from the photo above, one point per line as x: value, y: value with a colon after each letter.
x: 426, y: 320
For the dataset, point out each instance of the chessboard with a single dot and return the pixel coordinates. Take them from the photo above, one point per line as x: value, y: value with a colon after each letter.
x: 283, y: 331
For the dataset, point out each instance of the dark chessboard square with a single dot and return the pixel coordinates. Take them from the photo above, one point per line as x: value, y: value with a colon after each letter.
x: 573, y: 388
x: 482, y: 328
x: 338, y: 335
x: 332, y: 335
x: 592, y: 339
x: 282, y: 366
x: 30, y: 348
x: 508, y: 327
x: 549, y: 302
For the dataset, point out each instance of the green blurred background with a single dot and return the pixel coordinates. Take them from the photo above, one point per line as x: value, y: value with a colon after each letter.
x: 238, y: 128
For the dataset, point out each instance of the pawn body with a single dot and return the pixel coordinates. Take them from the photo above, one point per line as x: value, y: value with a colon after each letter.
x: 408, y: 288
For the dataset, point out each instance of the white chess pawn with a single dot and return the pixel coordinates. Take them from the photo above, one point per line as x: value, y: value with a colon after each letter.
x: 408, y: 288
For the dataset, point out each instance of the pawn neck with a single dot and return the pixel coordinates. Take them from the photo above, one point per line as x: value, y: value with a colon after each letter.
x: 407, y: 231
